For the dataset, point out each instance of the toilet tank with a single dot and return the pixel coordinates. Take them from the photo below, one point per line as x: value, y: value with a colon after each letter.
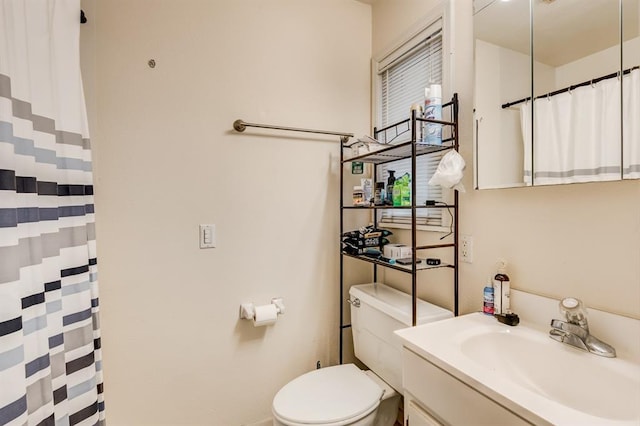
x: 381, y: 311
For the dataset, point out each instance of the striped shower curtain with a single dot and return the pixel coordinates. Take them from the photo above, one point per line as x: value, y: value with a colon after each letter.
x: 50, y: 358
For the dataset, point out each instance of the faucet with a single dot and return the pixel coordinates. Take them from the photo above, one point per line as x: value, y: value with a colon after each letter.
x: 575, y: 330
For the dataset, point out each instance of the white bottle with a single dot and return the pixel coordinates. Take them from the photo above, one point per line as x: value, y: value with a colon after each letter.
x: 367, y: 189
x: 419, y: 113
x: 433, y: 110
x: 425, y: 108
x: 501, y: 290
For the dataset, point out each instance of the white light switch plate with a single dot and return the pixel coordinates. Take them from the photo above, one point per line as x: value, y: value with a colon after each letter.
x: 207, y: 236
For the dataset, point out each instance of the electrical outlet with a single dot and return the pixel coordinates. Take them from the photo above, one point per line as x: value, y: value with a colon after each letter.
x: 466, y: 248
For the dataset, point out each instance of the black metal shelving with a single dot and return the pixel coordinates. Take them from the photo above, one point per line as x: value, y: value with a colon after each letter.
x: 438, y: 206
x: 411, y: 149
x: 397, y: 266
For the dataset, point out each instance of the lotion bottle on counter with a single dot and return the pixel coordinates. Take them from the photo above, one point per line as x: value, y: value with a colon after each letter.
x: 501, y: 289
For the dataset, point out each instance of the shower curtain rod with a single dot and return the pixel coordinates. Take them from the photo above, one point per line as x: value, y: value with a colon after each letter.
x: 570, y: 88
x: 240, y: 126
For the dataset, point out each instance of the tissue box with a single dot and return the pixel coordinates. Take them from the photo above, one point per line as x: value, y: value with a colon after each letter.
x: 397, y: 251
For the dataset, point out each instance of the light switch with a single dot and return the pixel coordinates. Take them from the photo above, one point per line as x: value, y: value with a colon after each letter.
x: 207, y: 236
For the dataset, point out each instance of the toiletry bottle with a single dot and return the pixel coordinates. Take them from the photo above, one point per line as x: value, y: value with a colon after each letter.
x: 424, y: 114
x: 390, y: 182
x: 433, y: 110
x: 358, y: 196
x: 397, y: 193
x: 367, y: 189
x: 378, y: 194
x: 501, y: 289
x: 487, y: 305
x: 419, y: 113
x: 405, y: 191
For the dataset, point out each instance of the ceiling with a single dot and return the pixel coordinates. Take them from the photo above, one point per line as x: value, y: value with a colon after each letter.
x: 564, y: 30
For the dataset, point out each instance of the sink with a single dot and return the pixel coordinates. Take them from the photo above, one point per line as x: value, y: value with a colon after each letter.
x: 522, y: 369
x: 566, y: 375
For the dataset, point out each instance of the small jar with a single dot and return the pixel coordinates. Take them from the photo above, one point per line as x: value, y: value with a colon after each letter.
x: 358, y: 195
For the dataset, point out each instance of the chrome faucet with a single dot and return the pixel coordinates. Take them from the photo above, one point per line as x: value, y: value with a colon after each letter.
x: 575, y: 330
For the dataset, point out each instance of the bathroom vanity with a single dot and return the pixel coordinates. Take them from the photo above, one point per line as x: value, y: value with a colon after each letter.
x: 473, y: 370
x: 468, y: 406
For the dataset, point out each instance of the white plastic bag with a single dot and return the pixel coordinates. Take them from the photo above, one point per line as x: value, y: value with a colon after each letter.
x: 450, y: 171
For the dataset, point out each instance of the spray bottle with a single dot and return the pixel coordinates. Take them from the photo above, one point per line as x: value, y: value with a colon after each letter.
x: 433, y: 110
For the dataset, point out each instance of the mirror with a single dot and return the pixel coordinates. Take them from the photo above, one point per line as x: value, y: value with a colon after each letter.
x: 576, y: 116
x: 567, y: 53
x: 631, y: 89
x: 503, y: 73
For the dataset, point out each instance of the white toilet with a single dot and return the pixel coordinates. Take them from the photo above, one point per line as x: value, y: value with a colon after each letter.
x: 345, y: 395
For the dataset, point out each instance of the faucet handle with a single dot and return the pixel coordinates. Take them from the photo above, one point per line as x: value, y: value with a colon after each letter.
x: 574, y: 312
x: 570, y: 303
x: 570, y: 328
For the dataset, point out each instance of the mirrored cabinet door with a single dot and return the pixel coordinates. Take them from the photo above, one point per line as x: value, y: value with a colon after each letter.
x: 557, y: 91
x: 577, y: 89
x: 502, y: 32
x: 631, y: 89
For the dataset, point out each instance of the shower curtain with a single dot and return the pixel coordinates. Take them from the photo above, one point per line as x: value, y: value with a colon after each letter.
x: 578, y: 135
x: 50, y: 357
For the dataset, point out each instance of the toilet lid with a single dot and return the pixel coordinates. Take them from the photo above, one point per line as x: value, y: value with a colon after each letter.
x: 327, y: 395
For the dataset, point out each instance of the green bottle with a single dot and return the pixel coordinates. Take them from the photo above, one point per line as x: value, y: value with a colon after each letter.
x: 397, y: 192
x: 405, y: 193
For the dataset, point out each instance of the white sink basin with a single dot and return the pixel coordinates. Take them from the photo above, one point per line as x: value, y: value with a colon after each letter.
x: 526, y: 371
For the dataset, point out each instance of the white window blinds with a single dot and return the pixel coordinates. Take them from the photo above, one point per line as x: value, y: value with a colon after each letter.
x: 402, y: 82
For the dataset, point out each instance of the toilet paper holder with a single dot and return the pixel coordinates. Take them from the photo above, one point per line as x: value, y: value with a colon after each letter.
x: 248, y: 310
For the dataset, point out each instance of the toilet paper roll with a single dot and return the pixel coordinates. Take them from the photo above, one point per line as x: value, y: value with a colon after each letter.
x: 265, y: 315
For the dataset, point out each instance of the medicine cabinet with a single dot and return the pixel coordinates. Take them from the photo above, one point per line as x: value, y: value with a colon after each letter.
x: 581, y: 58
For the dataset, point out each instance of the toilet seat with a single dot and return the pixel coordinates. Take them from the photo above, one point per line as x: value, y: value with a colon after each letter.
x: 335, y: 395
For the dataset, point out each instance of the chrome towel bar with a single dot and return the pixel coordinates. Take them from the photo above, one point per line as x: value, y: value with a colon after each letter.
x: 240, y: 126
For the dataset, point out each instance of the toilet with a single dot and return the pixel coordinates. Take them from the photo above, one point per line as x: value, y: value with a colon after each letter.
x: 344, y: 394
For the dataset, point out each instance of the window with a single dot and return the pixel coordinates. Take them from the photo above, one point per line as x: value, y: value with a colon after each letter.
x: 402, y: 78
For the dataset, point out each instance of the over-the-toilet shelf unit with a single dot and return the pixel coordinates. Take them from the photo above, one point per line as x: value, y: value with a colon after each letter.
x: 411, y: 149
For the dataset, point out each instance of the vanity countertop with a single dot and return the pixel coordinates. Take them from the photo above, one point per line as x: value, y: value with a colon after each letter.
x: 535, y: 377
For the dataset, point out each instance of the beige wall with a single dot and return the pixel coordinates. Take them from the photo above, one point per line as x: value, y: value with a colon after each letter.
x: 166, y: 160
x: 598, y: 64
x: 581, y: 240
